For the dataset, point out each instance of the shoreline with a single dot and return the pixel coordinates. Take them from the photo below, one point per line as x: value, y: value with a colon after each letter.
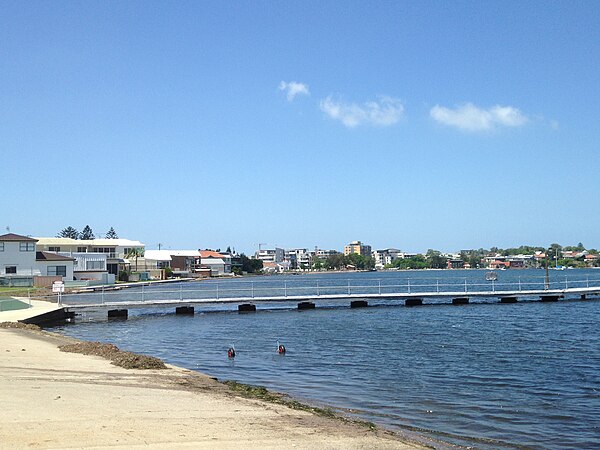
x: 75, y: 400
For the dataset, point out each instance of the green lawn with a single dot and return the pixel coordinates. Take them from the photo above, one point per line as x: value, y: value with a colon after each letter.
x: 16, y: 291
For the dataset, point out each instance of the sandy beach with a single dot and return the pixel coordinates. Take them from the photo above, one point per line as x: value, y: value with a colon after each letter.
x: 53, y: 399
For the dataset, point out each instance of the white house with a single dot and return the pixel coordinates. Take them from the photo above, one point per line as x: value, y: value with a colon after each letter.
x: 17, y: 255
x: 90, y: 266
x: 54, y: 265
x: 118, y: 251
x: 218, y: 263
x: 19, y: 258
x: 386, y: 256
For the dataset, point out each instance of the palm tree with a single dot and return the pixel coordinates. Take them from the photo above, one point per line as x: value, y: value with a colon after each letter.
x: 135, y: 253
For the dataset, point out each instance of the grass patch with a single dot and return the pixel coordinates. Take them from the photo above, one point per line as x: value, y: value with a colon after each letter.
x: 262, y: 393
x: 18, y: 291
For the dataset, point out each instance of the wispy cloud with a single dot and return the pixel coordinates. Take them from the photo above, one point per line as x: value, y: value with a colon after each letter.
x: 293, y: 88
x: 469, y: 117
x: 383, y: 112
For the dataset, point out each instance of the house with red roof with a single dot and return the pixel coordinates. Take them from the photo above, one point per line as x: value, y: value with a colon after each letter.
x: 218, y: 263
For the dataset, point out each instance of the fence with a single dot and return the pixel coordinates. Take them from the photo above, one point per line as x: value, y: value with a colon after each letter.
x: 215, y: 290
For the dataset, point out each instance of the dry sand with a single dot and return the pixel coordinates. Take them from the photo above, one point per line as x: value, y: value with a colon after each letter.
x: 53, y: 399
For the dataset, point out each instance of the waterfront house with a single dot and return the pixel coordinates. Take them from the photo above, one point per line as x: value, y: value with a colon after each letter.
x: 275, y: 255
x: 218, y: 263
x: 17, y: 256
x: 51, y: 264
x: 19, y: 260
x: 117, y: 251
x: 386, y: 256
x: 455, y: 264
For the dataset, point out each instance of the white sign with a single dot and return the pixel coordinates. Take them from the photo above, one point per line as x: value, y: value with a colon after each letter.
x: 58, y: 286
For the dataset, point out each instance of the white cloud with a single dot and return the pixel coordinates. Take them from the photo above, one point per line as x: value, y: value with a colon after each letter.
x: 293, y: 88
x: 383, y: 112
x: 469, y: 117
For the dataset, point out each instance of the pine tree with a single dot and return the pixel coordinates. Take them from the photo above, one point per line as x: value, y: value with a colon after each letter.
x: 112, y: 234
x: 87, y: 234
x: 68, y: 232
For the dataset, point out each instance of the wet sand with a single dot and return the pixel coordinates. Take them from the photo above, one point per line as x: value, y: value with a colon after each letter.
x: 53, y: 399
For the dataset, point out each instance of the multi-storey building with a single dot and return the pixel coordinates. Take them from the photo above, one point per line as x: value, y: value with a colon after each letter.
x: 386, y: 256
x: 299, y: 258
x: 276, y: 255
x: 357, y: 247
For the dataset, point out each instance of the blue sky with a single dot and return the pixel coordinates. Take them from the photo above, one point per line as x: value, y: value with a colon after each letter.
x: 414, y: 125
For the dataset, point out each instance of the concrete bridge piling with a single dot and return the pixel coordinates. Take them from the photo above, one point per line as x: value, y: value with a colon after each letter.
x: 306, y: 305
x: 184, y: 310
x: 117, y: 314
x: 359, y: 304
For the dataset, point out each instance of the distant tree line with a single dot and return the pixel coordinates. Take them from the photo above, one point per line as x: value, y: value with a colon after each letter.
x: 85, y: 234
x: 248, y: 265
x: 339, y: 261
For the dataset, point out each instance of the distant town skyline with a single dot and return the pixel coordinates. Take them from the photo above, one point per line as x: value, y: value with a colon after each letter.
x: 412, y: 125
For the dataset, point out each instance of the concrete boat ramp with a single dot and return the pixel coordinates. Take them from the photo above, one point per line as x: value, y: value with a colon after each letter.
x: 26, y: 310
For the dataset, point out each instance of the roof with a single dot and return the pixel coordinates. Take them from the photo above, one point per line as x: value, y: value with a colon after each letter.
x: 166, y: 255
x: 117, y: 242
x: 92, y: 242
x: 210, y: 254
x: 49, y: 256
x: 11, y: 237
x: 59, y: 241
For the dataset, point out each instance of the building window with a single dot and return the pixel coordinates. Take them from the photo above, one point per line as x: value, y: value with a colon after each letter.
x: 27, y: 246
x: 10, y: 269
x: 1, y: 246
x: 109, y: 250
x: 54, y: 249
x: 94, y: 265
x: 81, y: 249
x: 58, y: 271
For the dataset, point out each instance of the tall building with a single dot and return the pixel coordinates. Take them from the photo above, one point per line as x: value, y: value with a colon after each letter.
x: 357, y: 247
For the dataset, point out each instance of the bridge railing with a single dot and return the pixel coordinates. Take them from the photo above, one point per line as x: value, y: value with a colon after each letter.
x: 281, y: 289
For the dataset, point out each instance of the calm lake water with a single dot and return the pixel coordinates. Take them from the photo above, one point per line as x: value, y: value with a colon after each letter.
x: 485, y: 375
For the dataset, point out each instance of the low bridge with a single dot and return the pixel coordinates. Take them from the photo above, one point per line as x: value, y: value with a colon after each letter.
x: 248, y: 294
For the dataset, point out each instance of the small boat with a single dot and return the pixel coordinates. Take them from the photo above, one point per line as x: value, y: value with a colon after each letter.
x: 491, y: 276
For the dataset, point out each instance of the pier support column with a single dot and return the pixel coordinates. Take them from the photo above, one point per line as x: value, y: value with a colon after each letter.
x: 508, y: 299
x: 359, y: 304
x: 413, y: 302
x: 305, y: 305
x: 247, y: 307
x: 550, y: 298
x: 117, y: 314
x: 460, y: 301
x: 184, y: 310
